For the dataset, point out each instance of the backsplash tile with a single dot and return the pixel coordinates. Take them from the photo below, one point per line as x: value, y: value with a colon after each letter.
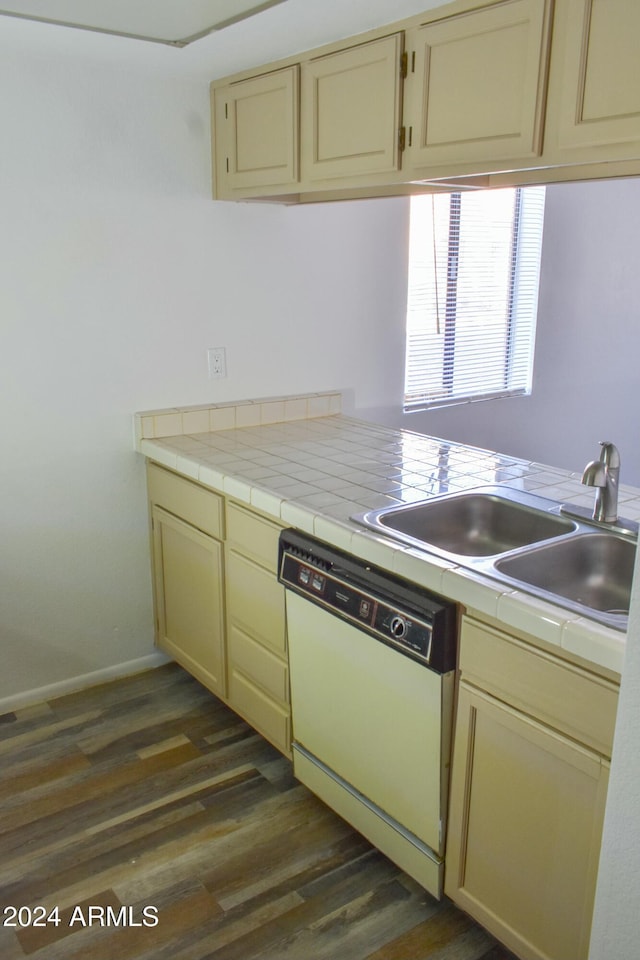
x: 167, y: 424
x: 157, y: 424
x: 195, y: 421
x: 222, y: 418
x: 248, y: 415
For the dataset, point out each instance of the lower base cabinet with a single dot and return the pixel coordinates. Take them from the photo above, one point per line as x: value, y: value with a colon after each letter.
x: 257, y: 661
x: 527, y: 797
x: 219, y: 608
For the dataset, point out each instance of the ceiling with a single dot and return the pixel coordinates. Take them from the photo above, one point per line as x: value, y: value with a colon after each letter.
x: 159, y: 21
x: 175, y: 22
x: 114, y: 31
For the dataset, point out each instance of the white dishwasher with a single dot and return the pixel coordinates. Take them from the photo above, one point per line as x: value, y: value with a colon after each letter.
x: 372, y: 662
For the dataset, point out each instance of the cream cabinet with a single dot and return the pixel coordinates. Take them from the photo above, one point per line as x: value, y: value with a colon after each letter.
x: 529, y: 779
x: 476, y: 85
x: 351, y: 110
x: 219, y: 607
x: 188, y: 575
x: 255, y: 133
x: 595, y: 96
x: 473, y: 93
x: 258, y: 669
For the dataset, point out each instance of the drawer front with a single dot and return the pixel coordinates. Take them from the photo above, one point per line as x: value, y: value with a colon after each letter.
x: 567, y: 698
x: 255, y: 600
x: 198, y: 506
x: 268, y: 717
x: 259, y: 664
x: 254, y: 536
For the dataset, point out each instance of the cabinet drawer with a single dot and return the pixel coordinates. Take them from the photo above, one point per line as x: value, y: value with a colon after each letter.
x: 253, y: 535
x: 198, y: 506
x: 255, y: 600
x: 258, y: 663
x: 268, y: 717
x: 566, y: 697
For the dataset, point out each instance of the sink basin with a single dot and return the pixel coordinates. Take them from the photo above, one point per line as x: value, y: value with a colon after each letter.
x: 526, y: 543
x: 593, y: 570
x: 480, y: 523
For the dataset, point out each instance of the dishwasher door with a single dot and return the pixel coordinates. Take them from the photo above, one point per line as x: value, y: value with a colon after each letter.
x: 372, y: 717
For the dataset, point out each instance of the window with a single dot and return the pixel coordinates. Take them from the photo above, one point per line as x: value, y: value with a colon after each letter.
x: 474, y: 265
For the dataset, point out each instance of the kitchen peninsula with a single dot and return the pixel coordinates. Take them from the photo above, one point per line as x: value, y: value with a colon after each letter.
x: 537, y: 684
x: 302, y: 463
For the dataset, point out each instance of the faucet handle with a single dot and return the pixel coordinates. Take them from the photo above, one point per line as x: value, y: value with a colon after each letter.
x: 609, y: 453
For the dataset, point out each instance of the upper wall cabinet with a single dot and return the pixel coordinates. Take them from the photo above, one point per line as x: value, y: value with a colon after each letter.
x: 350, y: 111
x: 476, y: 85
x: 255, y: 123
x: 596, y: 92
x: 475, y: 93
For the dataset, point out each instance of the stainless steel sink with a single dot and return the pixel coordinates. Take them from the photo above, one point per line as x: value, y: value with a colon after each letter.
x: 592, y: 570
x: 525, y: 542
x: 481, y: 523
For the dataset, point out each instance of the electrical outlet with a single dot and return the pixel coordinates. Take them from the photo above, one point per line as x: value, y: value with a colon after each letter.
x: 217, y: 362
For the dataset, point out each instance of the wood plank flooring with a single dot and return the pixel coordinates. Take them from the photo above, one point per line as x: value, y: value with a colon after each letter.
x: 157, y: 825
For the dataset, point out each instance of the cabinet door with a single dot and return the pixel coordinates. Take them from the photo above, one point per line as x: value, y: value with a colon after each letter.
x: 476, y: 85
x: 600, y: 91
x: 256, y: 132
x: 189, y: 597
x: 350, y: 103
x: 525, y: 825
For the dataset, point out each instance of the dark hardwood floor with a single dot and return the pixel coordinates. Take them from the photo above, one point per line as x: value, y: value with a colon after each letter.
x: 143, y: 819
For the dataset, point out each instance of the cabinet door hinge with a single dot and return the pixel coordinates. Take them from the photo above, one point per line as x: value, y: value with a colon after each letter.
x: 402, y: 138
x: 404, y: 65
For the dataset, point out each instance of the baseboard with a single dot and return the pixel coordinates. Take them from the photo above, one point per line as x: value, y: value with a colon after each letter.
x: 73, y: 684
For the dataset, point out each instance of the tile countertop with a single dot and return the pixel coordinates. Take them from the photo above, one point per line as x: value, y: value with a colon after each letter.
x: 306, y: 465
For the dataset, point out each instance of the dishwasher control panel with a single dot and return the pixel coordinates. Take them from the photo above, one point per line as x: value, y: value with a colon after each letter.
x: 399, y: 614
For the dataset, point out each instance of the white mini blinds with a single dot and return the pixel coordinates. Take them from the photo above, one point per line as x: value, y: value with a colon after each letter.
x: 474, y: 266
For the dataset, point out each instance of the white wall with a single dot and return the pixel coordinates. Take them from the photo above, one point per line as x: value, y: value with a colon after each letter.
x: 117, y: 272
x: 585, y: 371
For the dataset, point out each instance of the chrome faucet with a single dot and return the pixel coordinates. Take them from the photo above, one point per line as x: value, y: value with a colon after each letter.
x: 604, y: 475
